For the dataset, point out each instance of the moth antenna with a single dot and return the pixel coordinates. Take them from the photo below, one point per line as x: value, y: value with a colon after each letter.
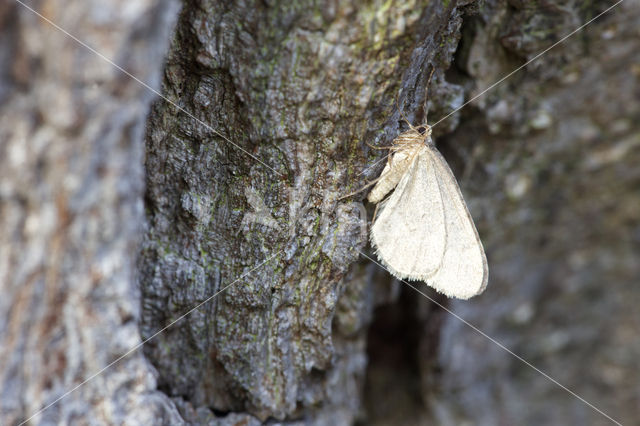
x: 402, y: 113
x: 361, y: 189
x: 378, y: 147
x: 367, y: 185
x: 426, y: 97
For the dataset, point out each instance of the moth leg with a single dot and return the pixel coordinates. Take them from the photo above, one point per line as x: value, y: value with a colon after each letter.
x: 374, y: 213
x: 373, y: 182
x: 426, y: 98
x: 378, y: 204
x: 402, y: 113
x: 378, y: 147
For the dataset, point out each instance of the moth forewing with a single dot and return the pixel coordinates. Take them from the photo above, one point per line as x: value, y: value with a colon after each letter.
x: 424, y: 230
x: 391, y: 175
x: 409, y: 233
x: 464, y: 271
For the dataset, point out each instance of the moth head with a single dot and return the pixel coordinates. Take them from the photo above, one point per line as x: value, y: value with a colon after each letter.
x: 424, y: 130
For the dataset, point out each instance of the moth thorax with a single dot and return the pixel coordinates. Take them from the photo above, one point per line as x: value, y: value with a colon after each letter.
x: 429, y: 142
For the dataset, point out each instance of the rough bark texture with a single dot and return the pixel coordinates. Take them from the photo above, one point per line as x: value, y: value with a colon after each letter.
x: 306, y: 333
x: 300, y: 86
x: 71, y: 181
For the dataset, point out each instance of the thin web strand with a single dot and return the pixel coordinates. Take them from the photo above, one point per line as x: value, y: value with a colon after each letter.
x: 505, y: 77
x: 157, y: 93
x: 500, y: 345
x: 136, y: 347
x: 373, y: 165
x: 527, y: 63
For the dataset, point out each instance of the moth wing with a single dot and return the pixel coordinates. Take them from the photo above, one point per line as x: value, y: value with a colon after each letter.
x: 409, y: 233
x: 390, y: 176
x: 464, y: 272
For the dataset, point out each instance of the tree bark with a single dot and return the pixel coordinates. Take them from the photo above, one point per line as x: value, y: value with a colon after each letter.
x: 300, y: 88
x: 71, y: 184
x: 269, y: 110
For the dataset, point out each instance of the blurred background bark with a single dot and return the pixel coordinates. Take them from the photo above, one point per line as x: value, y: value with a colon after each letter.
x: 71, y: 185
x: 309, y: 332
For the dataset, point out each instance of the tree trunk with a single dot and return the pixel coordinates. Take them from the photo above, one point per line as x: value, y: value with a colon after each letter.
x: 270, y: 107
x: 296, y: 90
x: 71, y: 185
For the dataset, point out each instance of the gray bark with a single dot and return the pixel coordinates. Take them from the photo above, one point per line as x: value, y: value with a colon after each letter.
x: 553, y: 182
x: 71, y: 181
x: 300, y: 87
x: 304, y: 331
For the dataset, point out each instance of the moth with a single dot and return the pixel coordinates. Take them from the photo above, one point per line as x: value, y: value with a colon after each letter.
x: 423, y: 230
